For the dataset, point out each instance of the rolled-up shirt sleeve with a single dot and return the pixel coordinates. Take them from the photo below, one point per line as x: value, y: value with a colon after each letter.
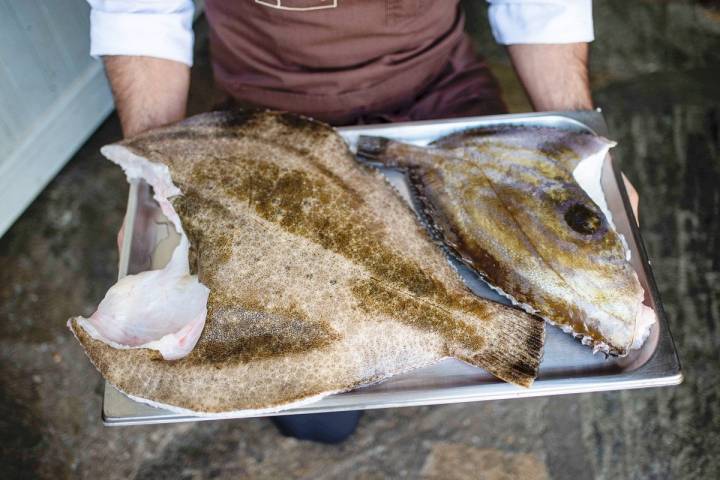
x: 541, y: 21
x: 152, y: 28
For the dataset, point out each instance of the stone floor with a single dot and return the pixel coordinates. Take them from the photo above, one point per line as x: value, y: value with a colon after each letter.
x: 60, y: 257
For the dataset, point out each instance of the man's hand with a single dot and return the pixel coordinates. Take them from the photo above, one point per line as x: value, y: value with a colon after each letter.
x: 555, y: 76
x: 149, y: 92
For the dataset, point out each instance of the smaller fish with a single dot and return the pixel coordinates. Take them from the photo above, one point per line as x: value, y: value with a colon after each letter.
x: 505, y: 201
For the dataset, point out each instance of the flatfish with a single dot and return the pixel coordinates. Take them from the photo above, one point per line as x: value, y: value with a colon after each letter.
x: 317, y: 277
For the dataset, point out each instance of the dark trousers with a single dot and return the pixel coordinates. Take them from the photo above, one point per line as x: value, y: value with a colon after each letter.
x: 332, y: 427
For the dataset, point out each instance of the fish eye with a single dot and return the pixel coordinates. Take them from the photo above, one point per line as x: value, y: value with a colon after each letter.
x: 583, y: 220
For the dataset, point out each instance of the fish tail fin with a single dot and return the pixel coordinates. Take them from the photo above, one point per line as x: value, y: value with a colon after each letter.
x: 375, y: 150
x: 390, y: 153
x: 513, y: 348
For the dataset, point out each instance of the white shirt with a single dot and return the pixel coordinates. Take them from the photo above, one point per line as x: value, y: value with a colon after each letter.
x: 163, y: 28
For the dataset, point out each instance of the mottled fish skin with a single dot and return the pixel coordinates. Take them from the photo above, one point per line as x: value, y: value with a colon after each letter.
x: 506, y: 203
x: 565, y: 147
x: 321, y: 279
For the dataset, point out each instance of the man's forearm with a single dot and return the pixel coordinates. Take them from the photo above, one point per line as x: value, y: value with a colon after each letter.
x: 149, y: 92
x: 555, y: 77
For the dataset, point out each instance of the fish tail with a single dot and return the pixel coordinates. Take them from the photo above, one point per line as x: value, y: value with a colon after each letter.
x: 375, y: 150
x: 513, y: 348
x: 390, y: 153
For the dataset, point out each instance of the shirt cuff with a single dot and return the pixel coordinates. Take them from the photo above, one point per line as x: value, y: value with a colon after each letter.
x: 161, y: 35
x: 541, y: 21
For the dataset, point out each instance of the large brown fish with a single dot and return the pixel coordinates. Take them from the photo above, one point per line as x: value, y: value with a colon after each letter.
x: 506, y: 203
x: 320, y: 278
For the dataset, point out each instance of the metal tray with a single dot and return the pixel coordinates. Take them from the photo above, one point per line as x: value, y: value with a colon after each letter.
x: 567, y: 366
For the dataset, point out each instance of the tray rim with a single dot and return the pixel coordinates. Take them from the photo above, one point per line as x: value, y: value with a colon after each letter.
x: 662, y: 368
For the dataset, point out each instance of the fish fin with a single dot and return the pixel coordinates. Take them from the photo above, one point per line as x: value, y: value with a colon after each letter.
x: 437, y: 224
x: 375, y: 150
x: 567, y: 147
x: 513, y: 349
x: 381, y: 151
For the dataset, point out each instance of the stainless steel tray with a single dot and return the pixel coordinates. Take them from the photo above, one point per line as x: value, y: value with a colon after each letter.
x: 567, y: 366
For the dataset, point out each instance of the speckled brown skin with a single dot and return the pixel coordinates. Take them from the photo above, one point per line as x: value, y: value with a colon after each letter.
x: 507, y: 205
x: 321, y: 279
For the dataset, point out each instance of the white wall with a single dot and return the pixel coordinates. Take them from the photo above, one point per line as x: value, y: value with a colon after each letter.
x: 52, y: 95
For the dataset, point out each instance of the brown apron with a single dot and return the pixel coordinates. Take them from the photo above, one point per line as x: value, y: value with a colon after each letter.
x: 350, y: 61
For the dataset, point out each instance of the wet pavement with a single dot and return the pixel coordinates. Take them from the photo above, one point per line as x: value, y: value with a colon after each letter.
x: 60, y: 257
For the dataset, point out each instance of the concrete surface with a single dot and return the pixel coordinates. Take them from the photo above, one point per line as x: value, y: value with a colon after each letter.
x: 663, y: 106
